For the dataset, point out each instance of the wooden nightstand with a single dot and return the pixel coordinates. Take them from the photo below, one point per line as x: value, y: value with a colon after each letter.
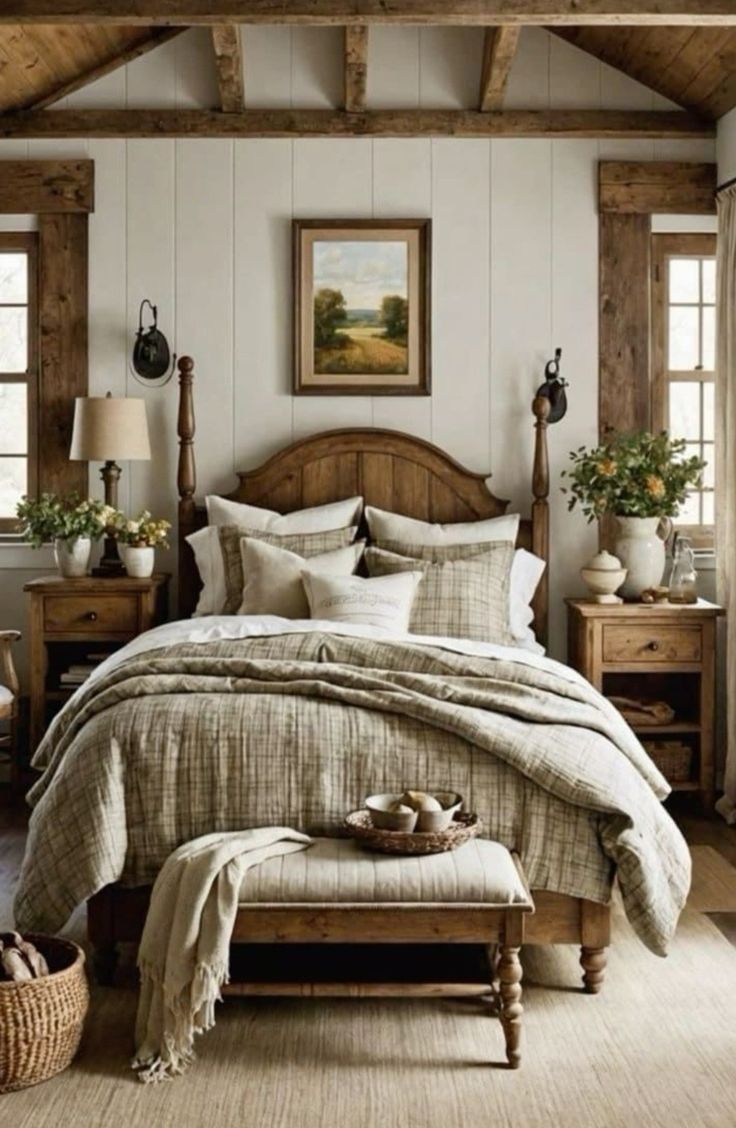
x: 661, y: 651
x: 76, y: 622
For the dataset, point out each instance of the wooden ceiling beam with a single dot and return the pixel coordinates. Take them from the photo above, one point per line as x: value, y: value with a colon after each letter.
x: 356, y: 68
x: 459, y: 12
x: 643, y: 124
x: 229, y: 60
x: 161, y: 36
x: 499, y: 52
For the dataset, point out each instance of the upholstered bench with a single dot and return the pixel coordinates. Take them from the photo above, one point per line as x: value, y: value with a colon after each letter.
x: 337, y: 893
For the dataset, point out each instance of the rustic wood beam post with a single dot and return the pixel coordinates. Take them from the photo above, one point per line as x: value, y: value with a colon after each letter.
x: 229, y: 59
x: 499, y: 52
x: 356, y: 68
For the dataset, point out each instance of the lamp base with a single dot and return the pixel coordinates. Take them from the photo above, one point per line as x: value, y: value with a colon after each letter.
x: 110, y: 563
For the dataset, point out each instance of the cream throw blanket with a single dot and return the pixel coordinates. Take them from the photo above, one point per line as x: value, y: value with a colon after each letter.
x: 184, y: 953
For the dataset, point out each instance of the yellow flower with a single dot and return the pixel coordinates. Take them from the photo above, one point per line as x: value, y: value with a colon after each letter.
x: 607, y: 467
x: 654, y: 485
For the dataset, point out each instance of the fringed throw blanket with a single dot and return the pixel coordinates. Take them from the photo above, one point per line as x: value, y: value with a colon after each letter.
x: 184, y: 953
x: 295, y: 729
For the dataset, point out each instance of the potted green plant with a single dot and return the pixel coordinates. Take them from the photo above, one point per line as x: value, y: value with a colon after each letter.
x: 640, y: 479
x: 72, y: 524
x: 138, y: 538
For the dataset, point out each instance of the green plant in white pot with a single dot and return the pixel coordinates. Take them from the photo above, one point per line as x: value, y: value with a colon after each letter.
x: 138, y: 538
x: 67, y: 521
x: 641, y: 479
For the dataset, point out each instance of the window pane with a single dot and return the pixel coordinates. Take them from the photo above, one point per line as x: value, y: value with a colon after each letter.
x: 13, y: 419
x: 13, y: 339
x: 709, y: 280
x: 13, y: 484
x: 13, y: 277
x: 684, y: 280
x: 709, y: 411
x: 709, y: 509
x: 709, y: 472
x: 684, y: 415
x: 709, y: 338
x: 683, y: 345
x: 689, y: 511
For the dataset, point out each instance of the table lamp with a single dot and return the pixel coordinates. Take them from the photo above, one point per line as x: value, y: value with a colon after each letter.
x: 107, y: 428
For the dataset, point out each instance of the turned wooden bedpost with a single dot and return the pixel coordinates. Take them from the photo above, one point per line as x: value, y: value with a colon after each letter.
x: 540, y: 513
x: 186, y: 481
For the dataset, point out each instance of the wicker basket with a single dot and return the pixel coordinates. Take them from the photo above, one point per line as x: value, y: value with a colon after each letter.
x: 41, y: 1020
x: 673, y: 758
x: 461, y: 829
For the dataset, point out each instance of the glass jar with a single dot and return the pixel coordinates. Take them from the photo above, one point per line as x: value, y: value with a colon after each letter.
x: 684, y: 578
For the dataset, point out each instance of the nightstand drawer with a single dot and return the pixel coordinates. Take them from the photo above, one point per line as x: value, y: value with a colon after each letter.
x: 94, y: 612
x: 651, y: 643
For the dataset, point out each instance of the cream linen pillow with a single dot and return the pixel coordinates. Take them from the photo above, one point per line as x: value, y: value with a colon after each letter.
x: 272, y: 577
x: 386, y: 526
x: 526, y: 572
x: 216, y: 551
x: 457, y: 598
x: 385, y: 601
x: 317, y: 519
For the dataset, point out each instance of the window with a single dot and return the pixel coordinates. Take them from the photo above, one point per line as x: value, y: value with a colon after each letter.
x: 18, y: 373
x: 683, y: 362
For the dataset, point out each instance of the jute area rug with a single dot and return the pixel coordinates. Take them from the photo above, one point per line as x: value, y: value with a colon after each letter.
x: 657, y: 1048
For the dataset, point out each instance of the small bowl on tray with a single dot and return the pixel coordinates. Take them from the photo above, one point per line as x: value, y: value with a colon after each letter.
x: 462, y: 827
x: 410, y: 815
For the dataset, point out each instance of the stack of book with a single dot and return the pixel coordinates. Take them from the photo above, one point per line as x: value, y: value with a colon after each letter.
x: 78, y: 672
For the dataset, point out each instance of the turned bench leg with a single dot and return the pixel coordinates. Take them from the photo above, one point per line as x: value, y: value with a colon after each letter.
x: 509, y: 975
x: 593, y: 962
x: 595, y: 934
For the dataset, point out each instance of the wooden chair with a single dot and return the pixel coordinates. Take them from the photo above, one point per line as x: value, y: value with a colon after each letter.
x: 9, y: 690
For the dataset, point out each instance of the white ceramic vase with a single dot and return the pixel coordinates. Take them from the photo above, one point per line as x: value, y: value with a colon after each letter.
x: 72, y: 556
x: 138, y: 561
x: 641, y: 551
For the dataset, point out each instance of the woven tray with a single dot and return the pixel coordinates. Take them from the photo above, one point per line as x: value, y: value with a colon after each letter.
x: 462, y: 829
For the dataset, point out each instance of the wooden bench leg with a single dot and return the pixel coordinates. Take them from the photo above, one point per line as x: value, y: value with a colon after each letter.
x: 595, y: 933
x: 593, y: 962
x: 509, y: 974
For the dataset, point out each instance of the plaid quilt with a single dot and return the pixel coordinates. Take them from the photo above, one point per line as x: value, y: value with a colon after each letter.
x: 296, y: 729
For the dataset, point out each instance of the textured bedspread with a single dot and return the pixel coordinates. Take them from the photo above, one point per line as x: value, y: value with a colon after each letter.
x: 295, y: 729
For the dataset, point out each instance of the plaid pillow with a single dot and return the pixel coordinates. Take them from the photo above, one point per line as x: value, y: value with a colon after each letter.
x: 305, y: 544
x: 457, y: 598
x: 438, y: 553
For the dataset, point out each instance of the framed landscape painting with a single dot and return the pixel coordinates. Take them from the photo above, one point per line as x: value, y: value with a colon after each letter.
x: 362, y: 307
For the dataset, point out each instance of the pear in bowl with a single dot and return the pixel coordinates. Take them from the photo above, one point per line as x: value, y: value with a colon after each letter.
x: 435, y: 810
x: 389, y: 812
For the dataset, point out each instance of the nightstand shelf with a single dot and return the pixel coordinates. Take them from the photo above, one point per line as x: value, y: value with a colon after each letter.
x: 78, y: 622
x: 663, y: 652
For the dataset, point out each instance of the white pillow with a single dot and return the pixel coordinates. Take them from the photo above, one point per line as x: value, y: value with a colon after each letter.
x: 318, y: 519
x: 392, y: 526
x: 205, y: 545
x: 526, y: 572
x: 381, y: 601
x: 273, y: 576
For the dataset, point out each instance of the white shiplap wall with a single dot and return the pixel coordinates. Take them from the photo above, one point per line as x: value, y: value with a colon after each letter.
x: 202, y: 228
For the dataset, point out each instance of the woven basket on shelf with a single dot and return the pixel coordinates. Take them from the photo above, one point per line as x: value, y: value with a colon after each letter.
x: 673, y: 758
x: 461, y: 829
x: 41, y: 1020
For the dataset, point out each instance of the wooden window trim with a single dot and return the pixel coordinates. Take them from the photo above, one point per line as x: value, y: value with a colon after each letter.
x: 664, y: 246
x: 28, y: 242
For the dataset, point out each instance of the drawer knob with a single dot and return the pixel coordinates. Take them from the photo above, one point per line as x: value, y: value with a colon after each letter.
x: 92, y: 616
x: 652, y: 645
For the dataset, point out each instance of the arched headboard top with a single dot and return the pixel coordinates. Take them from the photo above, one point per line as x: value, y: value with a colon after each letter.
x: 388, y: 469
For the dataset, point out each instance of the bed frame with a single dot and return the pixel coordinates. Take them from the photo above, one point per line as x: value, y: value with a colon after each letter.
x: 406, y: 475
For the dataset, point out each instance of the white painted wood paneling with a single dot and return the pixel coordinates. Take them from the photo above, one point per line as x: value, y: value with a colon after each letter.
x: 203, y: 229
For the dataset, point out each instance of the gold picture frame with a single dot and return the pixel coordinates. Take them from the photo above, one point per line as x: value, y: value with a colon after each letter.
x: 362, y: 308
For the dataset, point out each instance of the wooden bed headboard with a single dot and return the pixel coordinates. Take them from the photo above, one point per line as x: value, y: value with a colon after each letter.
x: 389, y: 469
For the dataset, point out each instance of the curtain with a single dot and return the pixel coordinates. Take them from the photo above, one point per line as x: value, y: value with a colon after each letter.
x: 726, y: 473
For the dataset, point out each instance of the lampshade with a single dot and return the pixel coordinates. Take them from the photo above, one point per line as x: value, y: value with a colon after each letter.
x: 109, y: 428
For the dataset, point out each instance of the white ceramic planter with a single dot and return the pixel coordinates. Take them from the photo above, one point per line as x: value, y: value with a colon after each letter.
x: 641, y: 551
x: 138, y: 561
x: 72, y: 556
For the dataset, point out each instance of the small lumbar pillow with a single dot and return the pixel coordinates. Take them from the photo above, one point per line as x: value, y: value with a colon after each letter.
x: 385, y: 526
x: 272, y: 577
x: 382, y: 601
x: 317, y: 519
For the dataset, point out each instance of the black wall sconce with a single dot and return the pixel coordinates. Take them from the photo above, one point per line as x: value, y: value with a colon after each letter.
x: 152, y: 359
x: 553, y: 388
